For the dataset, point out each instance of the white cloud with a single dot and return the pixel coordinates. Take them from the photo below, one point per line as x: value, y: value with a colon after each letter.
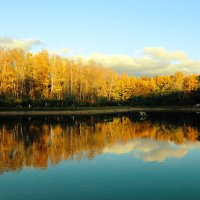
x: 165, y: 55
x: 153, y: 150
x: 153, y: 61
x: 25, y: 44
x: 62, y: 51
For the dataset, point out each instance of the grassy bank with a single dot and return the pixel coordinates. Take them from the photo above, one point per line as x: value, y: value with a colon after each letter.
x: 69, y: 111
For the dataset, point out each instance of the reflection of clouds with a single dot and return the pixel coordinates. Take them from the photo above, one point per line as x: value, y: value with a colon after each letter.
x: 153, y: 150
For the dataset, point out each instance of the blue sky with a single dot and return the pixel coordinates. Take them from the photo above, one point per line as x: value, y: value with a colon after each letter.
x: 110, y: 27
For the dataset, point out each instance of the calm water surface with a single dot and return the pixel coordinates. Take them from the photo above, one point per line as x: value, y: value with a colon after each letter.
x: 101, y: 157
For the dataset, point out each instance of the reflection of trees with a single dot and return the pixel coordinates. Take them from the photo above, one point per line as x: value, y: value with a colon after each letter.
x: 37, y: 143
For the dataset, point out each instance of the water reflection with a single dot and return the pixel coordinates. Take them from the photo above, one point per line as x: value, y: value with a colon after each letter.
x: 153, y: 150
x: 39, y: 142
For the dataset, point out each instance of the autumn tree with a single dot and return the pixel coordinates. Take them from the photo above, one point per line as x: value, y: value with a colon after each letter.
x: 43, y: 76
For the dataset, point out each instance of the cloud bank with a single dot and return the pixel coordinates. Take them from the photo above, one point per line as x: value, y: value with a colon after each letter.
x: 153, y: 61
x: 25, y: 44
x: 62, y: 51
x: 151, y: 150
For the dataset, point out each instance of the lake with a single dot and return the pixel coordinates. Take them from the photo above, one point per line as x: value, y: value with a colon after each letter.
x: 122, y: 156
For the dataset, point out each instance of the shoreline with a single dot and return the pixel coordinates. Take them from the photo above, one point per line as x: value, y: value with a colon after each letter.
x: 98, y: 111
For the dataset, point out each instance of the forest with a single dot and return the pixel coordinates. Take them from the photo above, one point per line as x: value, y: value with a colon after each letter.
x: 43, y: 79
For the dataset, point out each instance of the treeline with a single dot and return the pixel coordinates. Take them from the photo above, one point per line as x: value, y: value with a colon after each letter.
x: 50, y: 80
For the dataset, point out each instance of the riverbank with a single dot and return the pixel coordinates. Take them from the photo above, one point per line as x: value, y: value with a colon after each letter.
x: 91, y: 110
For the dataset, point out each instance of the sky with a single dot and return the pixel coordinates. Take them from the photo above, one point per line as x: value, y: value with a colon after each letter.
x: 140, y: 37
